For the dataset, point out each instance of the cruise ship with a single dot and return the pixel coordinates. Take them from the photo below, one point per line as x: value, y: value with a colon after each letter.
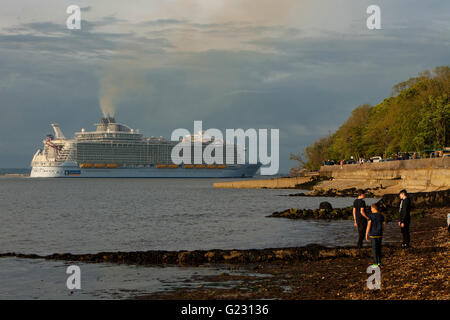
x: 114, y: 150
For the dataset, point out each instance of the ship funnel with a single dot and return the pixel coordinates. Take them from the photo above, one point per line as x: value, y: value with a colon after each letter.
x: 108, y: 120
x: 58, y: 132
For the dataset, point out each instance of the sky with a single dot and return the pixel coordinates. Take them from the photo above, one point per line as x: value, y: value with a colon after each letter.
x: 300, y: 66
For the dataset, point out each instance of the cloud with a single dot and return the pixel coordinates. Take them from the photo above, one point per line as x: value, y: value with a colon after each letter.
x: 86, y: 9
x: 276, y: 76
x: 54, y: 39
x: 161, y: 22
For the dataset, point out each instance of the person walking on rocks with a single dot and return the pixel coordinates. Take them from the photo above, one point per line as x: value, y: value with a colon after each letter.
x: 405, y: 217
x: 374, y: 231
x: 360, y: 217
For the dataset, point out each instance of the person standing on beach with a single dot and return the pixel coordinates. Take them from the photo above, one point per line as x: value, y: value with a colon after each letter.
x: 405, y: 217
x: 374, y: 231
x: 360, y: 217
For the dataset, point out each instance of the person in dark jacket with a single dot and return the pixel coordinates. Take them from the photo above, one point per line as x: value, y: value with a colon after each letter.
x: 360, y: 217
x: 405, y: 217
x: 374, y: 231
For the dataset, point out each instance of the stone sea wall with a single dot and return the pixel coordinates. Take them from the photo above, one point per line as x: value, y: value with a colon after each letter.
x: 420, y: 175
x: 414, y: 175
x: 277, y: 183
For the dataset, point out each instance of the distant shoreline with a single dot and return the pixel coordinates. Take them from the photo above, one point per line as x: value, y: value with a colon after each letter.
x: 14, y: 175
x: 14, y: 172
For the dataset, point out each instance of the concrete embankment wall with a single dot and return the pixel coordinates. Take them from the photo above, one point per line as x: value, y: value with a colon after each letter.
x: 420, y: 174
x: 277, y: 183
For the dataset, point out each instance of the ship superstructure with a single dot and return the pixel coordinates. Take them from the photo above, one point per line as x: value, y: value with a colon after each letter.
x: 115, y: 150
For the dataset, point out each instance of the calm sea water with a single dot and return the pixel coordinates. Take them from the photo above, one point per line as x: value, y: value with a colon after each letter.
x: 41, y: 279
x: 45, y: 216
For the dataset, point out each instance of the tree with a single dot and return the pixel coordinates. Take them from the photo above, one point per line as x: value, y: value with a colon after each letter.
x: 415, y: 117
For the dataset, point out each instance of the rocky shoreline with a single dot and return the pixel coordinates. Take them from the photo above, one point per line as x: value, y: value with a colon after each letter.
x: 311, y: 252
x: 420, y: 272
x: 422, y: 202
x: 389, y: 204
x: 312, y: 271
x: 309, y: 272
x: 332, y: 193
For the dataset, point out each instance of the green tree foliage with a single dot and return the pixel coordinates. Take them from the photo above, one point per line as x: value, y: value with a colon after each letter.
x: 416, y: 117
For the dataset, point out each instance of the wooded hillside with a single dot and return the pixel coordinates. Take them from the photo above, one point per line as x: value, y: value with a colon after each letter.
x: 414, y: 118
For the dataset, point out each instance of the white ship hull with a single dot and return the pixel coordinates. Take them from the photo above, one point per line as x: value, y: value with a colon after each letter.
x: 114, y: 150
x: 243, y: 171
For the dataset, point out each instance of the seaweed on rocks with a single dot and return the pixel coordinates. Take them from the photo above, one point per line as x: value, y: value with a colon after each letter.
x: 388, y: 204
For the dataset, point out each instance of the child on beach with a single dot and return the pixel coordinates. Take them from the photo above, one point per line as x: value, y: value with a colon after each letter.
x: 374, y: 231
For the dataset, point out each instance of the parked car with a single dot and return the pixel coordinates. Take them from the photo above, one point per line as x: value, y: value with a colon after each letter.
x: 376, y: 159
